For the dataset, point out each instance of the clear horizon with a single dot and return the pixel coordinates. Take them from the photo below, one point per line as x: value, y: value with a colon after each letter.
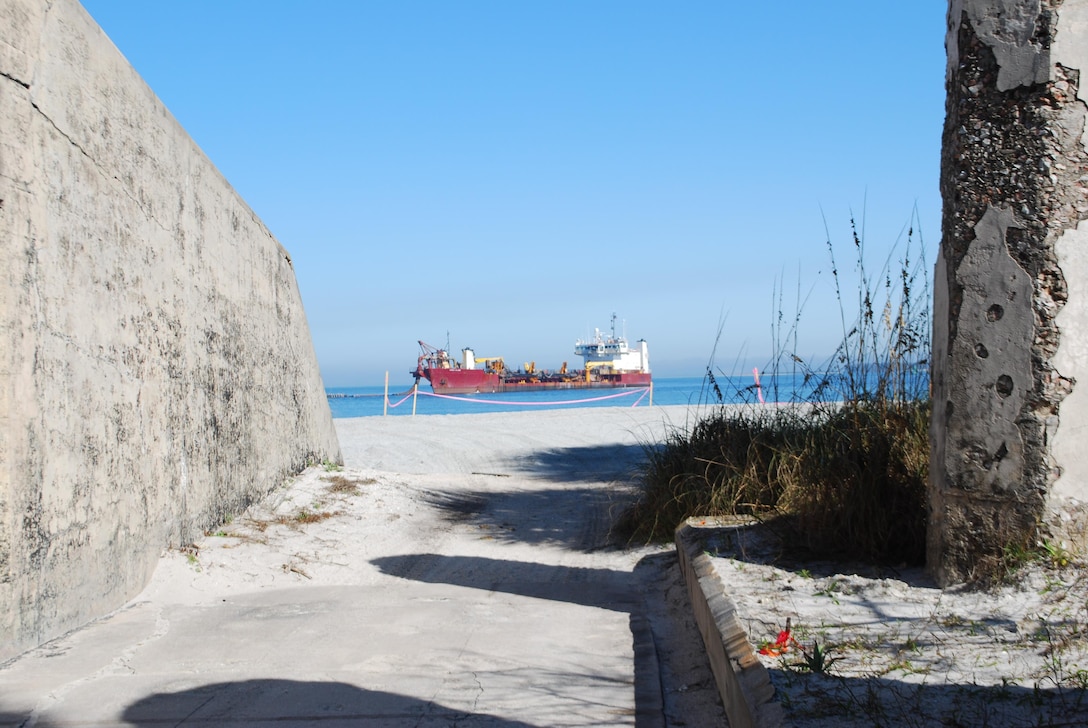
x: 510, y: 175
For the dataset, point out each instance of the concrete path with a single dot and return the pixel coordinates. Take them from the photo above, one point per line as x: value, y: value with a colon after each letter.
x: 457, y: 572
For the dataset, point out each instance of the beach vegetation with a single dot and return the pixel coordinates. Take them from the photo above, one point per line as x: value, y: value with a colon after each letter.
x: 344, y: 485
x: 839, y: 469
x: 815, y: 660
x: 306, y: 516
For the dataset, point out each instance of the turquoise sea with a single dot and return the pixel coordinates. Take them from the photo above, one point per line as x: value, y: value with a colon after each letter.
x: 370, y: 401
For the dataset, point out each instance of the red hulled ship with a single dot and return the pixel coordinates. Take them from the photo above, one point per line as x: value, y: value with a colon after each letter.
x: 608, y: 363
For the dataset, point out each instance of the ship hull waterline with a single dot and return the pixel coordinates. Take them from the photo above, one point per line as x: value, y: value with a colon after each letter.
x: 478, y: 381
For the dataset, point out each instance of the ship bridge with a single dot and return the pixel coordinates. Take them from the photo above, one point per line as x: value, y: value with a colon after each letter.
x: 614, y: 351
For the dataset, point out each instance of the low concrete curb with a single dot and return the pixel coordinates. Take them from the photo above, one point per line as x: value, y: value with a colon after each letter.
x: 743, y: 681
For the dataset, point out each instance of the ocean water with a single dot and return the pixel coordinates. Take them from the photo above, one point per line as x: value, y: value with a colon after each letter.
x: 371, y: 402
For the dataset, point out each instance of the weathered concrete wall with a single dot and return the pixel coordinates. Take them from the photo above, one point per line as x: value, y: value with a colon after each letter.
x: 1011, y: 308
x: 157, y: 371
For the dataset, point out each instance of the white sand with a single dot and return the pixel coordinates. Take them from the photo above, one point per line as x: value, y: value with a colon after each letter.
x: 459, y: 568
x: 905, y: 653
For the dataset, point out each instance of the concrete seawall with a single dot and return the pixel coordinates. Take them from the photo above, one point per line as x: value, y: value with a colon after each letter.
x: 157, y: 371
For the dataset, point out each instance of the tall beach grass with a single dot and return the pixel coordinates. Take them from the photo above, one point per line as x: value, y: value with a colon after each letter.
x: 840, y: 469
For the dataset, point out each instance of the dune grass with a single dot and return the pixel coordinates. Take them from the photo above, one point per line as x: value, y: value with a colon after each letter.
x: 841, y: 469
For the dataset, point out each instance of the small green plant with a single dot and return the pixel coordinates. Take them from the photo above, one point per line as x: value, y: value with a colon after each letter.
x: 191, y: 557
x: 1079, y: 679
x: 331, y: 467
x: 831, y: 590
x: 1017, y: 555
x: 305, y: 515
x: 817, y: 660
x: 1057, y: 554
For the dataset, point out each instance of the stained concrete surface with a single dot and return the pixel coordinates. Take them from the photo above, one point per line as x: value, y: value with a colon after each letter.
x: 1007, y: 327
x: 458, y: 571
x: 157, y: 370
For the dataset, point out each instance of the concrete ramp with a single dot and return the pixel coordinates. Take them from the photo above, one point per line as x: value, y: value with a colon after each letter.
x: 156, y: 371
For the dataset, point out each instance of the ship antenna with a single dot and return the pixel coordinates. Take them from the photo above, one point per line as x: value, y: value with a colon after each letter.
x: 613, y: 325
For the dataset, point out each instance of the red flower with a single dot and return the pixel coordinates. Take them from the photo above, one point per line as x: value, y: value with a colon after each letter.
x: 782, y: 644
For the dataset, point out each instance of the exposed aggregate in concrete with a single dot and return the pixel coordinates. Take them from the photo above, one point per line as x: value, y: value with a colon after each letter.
x: 1012, y: 148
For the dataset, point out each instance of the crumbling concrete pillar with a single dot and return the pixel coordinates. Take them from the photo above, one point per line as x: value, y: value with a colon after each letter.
x: 1011, y: 286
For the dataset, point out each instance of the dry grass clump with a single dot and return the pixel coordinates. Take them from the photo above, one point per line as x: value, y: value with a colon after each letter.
x: 305, y: 516
x: 344, y: 485
x: 848, y: 481
x: 858, y: 483
x: 841, y: 469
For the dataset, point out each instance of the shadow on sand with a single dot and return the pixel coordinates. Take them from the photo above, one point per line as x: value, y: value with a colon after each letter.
x: 576, y: 518
x: 280, y: 703
x: 610, y: 589
x: 885, y: 701
x: 867, y: 701
x: 291, y: 704
x: 591, y: 463
x: 599, y: 588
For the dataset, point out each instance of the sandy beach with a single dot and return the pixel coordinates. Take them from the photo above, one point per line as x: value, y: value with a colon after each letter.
x: 898, y: 650
x: 459, y: 569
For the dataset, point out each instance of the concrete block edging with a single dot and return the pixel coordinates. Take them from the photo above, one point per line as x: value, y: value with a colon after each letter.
x: 743, y: 682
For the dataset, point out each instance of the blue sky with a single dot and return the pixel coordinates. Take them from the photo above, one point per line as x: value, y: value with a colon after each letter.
x: 509, y: 174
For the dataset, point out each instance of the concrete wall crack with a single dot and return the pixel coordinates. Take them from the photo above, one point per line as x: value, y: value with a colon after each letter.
x: 60, y: 131
x: 99, y: 168
x: 158, y: 373
x: 19, y: 81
